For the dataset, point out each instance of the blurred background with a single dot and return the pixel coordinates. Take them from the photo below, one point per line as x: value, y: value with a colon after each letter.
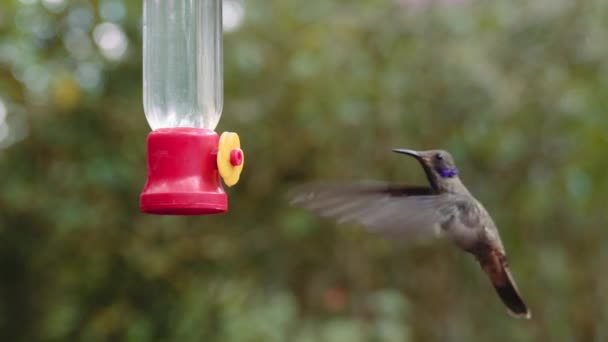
x: 318, y: 89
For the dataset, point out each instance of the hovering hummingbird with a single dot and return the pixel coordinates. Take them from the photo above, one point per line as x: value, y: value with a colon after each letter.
x: 444, y: 208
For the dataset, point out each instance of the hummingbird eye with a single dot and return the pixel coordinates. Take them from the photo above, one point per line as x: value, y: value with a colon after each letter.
x: 438, y: 156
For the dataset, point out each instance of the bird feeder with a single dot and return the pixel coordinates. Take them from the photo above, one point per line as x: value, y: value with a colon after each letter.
x: 183, y: 99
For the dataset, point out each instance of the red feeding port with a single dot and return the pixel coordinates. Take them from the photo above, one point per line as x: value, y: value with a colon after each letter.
x: 183, y: 178
x: 236, y: 157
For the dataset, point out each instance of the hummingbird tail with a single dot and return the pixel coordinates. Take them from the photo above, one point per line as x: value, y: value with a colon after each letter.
x: 495, y: 265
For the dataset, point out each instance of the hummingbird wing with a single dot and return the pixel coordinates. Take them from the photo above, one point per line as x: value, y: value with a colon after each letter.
x: 395, y: 211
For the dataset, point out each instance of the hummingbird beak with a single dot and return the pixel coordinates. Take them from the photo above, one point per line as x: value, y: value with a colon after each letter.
x: 412, y: 153
x: 422, y: 158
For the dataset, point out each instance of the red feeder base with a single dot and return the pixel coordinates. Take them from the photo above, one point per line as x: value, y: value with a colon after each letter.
x: 182, y: 173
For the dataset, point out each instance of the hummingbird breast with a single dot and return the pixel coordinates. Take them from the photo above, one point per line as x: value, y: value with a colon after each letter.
x: 463, y: 236
x: 466, y: 224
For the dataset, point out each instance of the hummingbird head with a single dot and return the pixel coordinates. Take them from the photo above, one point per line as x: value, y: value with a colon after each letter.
x: 438, y: 165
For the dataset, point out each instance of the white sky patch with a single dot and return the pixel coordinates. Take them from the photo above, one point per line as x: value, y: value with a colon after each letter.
x: 36, y: 78
x: 233, y: 15
x: 54, y: 5
x: 111, y: 40
x: 78, y: 44
x: 112, y: 10
x: 2, y: 112
x: 3, y: 125
x: 89, y: 76
x: 81, y: 18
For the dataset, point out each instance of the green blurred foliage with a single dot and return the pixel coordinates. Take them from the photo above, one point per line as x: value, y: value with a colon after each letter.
x: 517, y: 90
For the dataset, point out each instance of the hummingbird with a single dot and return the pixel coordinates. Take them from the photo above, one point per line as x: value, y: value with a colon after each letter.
x: 445, y: 208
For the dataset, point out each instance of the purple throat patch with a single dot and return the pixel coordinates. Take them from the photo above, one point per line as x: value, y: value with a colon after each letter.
x: 448, y: 173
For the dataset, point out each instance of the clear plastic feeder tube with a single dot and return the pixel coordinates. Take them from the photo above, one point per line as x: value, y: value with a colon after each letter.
x: 182, y: 58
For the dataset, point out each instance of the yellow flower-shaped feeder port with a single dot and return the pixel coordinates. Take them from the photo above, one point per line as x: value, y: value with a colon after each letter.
x: 230, y: 158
